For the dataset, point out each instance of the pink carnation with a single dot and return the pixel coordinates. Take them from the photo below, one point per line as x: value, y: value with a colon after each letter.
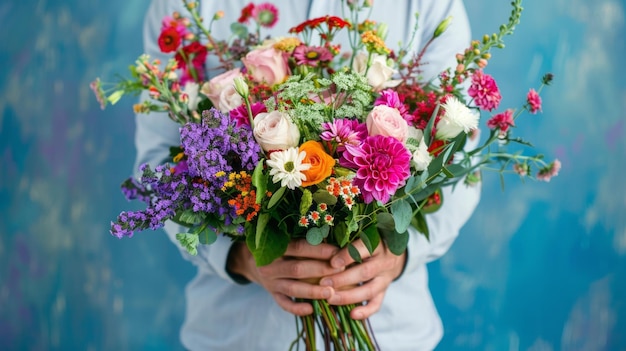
x: 549, y: 171
x: 534, y: 101
x: 343, y: 132
x: 502, y: 121
x: 484, y: 91
x: 240, y: 114
x: 382, y: 166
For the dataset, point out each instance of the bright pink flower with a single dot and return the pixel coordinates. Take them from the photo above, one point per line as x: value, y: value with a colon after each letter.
x: 382, y: 166
x: 178, y: 24
x: 521, y: 168
x: 265, y: 14
x: 343, y: 132
x: 534, y: 101
x: 549, y: 171
x: 312, y: 56
x: 484, y: 91
x: 194, y: 54
x: 240, y: 114
x: 391, y: 98
x: 502, y: 121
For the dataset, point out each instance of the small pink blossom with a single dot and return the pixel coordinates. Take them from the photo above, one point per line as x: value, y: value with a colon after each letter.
x: 484, y: 91
x: 382, y: 166
x: 389, y: 97
x: 549, y: 171
x: 240, y: 114
x: 343, y: 132
x: 521, y: 168
x: 534, y: 101
x: 313, y: 56
x: 502, y: 121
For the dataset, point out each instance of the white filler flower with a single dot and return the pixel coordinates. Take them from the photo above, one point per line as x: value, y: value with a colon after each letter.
x: 456, y: 119
x: 286, y: 167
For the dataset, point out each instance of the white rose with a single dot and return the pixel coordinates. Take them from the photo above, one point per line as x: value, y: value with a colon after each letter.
x: 379, y: 73
x: 275, y: 131
x: 221, y: 90
x: 456, y: 119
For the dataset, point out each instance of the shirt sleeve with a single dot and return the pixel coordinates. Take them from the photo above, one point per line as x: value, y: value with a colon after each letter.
x: 155, y: 133
x: 460, y: 201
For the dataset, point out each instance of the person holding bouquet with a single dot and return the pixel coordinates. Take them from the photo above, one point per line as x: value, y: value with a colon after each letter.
x: 232, y: 304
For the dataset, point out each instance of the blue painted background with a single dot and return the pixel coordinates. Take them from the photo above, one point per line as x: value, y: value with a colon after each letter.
x: 539, y: 267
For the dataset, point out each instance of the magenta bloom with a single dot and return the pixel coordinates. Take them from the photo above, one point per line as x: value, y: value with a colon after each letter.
x: 502, y: 121
x: 534, y: 101
x: 382, y: 166
x: 343, y: 132
x: 312, y: 56
x: 484, y: 91
x: 389, y: 97
x: 265, y: 14
x: 240, y: 114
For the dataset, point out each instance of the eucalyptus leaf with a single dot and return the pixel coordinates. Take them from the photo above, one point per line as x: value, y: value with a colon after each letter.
x: 314, y: 236
x: 207, y: 236
x: 324, y: 197
x: 371, y: 238
x: 354, y: 253
x: 402, y: 213
x: 239, y: 30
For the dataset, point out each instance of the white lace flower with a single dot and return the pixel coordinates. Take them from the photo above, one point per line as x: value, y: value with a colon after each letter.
x: 456, y: 119
x: 286, y: 167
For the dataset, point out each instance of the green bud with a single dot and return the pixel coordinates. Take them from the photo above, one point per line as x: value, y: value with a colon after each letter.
x: 241, y: 87
x: 115, y: 97
x: 442, y: 26
x: 382, y: 31
x: 306, y: 201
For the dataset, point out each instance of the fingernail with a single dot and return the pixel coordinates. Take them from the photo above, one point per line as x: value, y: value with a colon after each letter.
x: 338, y: 262
x: 327, y: 293
x: 358, y: 315
x: 326, y: 282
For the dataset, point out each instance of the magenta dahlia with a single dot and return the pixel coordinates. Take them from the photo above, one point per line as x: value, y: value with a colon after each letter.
x: 382, y: 166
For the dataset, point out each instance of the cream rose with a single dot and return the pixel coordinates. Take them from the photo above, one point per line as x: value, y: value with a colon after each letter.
x: 387, y: 121
x: 379, y: 73
x: 275, y: 131
x: 221, y: 90
x: 266, y: 65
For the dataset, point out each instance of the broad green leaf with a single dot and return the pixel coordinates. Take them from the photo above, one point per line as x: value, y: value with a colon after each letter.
x: 324, y: 197
x: 429, y: 127
x: 354, y: 253
x: 371, y: 238
x: 189, y: 241
x: 190, y: 217
x: 342, y: 236
x: 419, y: 222
x: 276, y: 197
x: 402, y: 214
x: 259, y: 181
x: 261, y: 223
x: 272, y: 244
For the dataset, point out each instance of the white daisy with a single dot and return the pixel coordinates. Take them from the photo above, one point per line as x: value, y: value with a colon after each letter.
x: 456, y: 119
x: 286, y: 167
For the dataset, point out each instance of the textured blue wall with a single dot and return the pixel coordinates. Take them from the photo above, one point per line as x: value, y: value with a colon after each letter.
x: 539, y: 267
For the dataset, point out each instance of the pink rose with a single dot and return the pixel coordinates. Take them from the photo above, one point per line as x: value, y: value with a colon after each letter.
x: 266, y: 65
x: 387, y: 121
x: 221, y: 90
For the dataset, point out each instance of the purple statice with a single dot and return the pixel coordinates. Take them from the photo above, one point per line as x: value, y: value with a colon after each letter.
x: 134, y: 190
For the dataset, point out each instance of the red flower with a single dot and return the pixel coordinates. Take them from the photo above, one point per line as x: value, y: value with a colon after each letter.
x: 194, y: 54
x: 246, y: 13
x: 169, y: 40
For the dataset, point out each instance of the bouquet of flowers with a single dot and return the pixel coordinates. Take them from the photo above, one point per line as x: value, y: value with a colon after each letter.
x: 293, y: 139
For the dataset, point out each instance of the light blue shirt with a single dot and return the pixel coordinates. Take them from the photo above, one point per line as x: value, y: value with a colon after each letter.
x: 224, y: 315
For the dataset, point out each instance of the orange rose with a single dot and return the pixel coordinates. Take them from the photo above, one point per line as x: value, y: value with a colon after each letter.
x: 321, y: 163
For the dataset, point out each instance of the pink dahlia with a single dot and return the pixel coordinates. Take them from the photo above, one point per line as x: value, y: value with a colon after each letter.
x: 265, y: 14
x: 343, y: 131
x: 484, y: 91
x: 382, y: 166
x: 312, y: 56
x: 534, y: 101
x: 502, y: 121
x: 389, y: 97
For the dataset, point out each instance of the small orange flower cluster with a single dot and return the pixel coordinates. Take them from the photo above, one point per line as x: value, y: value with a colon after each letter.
x: 317, y: 217
x: 245, y: 200
x: 374, y: 43
x: 343, y: 187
